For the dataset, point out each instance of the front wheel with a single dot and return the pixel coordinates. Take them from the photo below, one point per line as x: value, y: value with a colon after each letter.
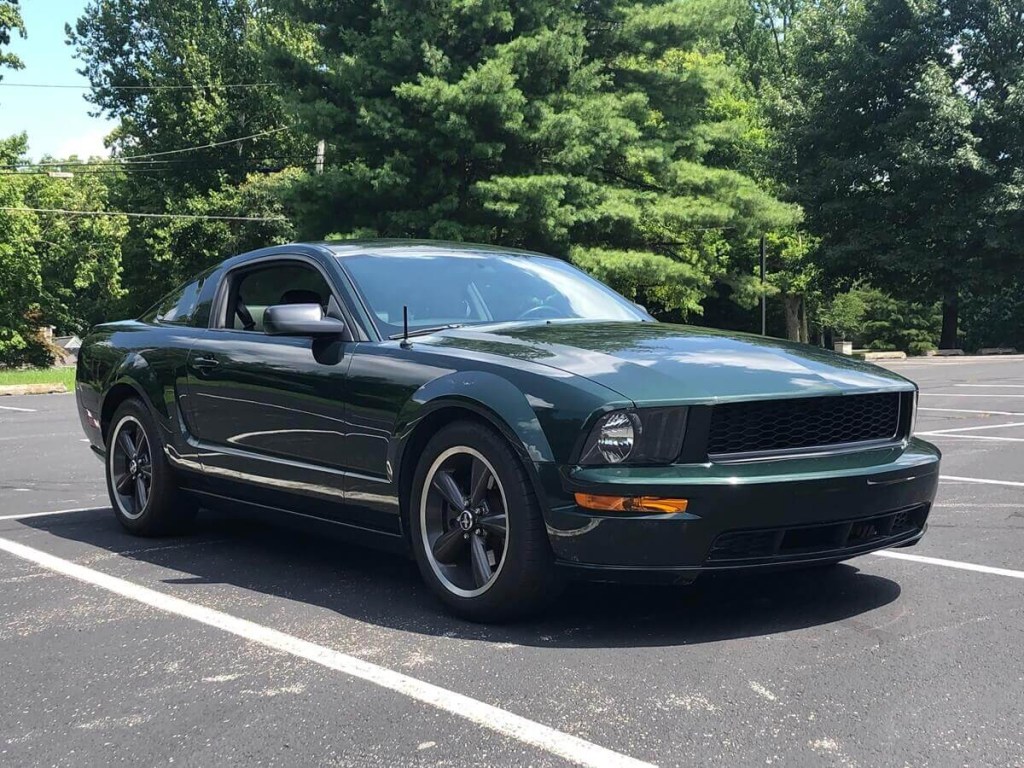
x: 477, y: 530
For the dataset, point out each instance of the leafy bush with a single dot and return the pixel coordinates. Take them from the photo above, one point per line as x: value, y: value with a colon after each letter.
x: 890, y: 323
x: 877, y: 321
x: 844, y: 314
x: 995, y: 319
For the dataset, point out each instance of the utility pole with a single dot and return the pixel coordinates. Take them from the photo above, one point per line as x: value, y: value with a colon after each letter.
x: 321, y: 151
x: 764, y: 299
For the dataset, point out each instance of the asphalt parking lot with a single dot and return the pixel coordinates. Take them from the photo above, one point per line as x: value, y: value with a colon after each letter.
x: 246, y: 644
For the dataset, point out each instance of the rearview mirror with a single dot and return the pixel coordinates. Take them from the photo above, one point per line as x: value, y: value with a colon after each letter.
x: 300, y: 320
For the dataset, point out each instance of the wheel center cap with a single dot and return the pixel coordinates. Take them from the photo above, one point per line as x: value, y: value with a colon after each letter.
x: 133, y: 466
x: 466, y: 520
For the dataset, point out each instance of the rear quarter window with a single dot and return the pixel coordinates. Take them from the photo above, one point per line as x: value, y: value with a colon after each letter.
x: 177, y: 307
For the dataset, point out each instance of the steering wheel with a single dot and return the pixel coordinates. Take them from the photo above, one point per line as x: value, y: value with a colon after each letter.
x: 539, y: 312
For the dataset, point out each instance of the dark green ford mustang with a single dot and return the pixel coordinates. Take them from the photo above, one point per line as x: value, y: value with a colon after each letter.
x: 502, y: 416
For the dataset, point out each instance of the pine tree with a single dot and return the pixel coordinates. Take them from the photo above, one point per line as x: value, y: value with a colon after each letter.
x: 607, y: 132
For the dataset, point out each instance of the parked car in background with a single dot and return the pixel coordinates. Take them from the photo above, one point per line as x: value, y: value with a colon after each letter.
x: 500, y: 415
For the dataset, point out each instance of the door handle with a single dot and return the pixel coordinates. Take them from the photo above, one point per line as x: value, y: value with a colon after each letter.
x: 205, y: 363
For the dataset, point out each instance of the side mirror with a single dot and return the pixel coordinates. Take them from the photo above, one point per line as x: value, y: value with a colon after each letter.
x: 300, y: 320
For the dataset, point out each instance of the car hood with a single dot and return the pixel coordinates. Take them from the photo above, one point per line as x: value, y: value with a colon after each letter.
x: 664, y: 363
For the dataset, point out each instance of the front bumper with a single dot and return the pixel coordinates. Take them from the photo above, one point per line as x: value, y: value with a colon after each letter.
x: 754, y: 515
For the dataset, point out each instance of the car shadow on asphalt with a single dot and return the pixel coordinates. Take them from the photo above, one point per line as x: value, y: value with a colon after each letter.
x: 385, y: 589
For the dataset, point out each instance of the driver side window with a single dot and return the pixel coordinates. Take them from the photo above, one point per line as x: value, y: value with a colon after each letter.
x: 255, y: 289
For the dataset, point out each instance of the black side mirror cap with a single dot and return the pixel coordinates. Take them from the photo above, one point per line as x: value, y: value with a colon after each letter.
x: 300, y: 320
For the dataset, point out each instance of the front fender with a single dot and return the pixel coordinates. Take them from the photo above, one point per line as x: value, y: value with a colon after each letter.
x: 486, y: 394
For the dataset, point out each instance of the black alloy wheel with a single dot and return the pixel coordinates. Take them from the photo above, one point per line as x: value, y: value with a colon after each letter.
x: 131, y: 466
x: 476, y: 526
x: 464, y: 521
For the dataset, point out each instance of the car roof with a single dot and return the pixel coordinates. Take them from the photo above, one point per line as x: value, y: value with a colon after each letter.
x: 378, y: 247
x: 402, y: 247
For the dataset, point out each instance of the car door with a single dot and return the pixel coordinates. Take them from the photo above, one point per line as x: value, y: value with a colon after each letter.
x: 269, y: 410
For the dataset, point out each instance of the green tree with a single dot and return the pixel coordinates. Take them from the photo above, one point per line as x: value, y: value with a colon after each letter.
x: 20, y: 280
x: 611, y: 133
x: 55, y: 269
x: 181, y: 247
x: 79, y: 256
x: 844, y: 315
x: 181, y: 74
x: 794, y: 274
x: 762, y: 44
x: 886, y: 155
x: 989, y: 71
x: 10, y: 21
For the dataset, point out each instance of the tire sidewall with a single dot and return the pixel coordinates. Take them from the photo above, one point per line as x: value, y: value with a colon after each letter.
x: 505, y: 596
x: 155, y: 516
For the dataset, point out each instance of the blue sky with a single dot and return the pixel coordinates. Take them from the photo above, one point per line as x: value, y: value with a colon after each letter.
x: 56, y: 119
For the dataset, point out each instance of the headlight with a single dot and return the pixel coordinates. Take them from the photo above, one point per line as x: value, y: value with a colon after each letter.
x: 616, y: 436
x: 642, y: 436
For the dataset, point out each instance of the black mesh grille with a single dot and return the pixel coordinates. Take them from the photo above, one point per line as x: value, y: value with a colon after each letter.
x: 780, y: 425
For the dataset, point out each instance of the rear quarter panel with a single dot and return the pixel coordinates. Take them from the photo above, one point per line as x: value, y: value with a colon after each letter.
x: 132, y: 358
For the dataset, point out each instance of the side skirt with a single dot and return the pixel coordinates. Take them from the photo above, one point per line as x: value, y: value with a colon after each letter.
x: 389, y: 542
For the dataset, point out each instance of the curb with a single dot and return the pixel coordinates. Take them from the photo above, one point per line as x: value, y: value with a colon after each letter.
x: 870, y: 356
x: 32, y: 389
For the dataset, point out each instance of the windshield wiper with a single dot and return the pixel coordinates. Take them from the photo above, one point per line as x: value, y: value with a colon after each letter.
x: 425, y: 331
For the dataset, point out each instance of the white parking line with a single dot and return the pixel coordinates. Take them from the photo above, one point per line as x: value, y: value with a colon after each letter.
x: 990, y: 395
x: 507, y: 724
x: 983, y: 481
x: 27, y: 515
x: 973, y: 437
x: 952, y: 564
x: 12, y: 408
x: 959, y: 410
x: 975, y: 429
x: 992, y: 386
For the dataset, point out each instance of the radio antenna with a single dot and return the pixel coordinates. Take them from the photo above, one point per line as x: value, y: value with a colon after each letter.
x: 405, y: 326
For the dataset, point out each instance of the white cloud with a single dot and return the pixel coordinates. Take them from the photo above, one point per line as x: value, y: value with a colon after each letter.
x: 85, y: 145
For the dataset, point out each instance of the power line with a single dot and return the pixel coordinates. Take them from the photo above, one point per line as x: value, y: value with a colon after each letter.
x: 189, y: 87
x: 143, y: 159
x: 136, y: 171
x: 157, y: 165
x: 132, y: 158
x: 142, y: 215
x: 146, y: 165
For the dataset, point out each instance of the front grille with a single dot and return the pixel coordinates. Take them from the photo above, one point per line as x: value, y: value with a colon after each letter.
x: 826, y: 539
x: 807, y: 422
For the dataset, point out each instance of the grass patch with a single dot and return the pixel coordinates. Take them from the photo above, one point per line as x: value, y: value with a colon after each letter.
x: 65, y: 376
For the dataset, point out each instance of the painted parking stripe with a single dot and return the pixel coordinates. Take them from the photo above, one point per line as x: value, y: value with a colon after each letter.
x: 973, y: 437
x: 982, y: 481
x: 952, y: 564
x: 507, y: 724
x: 27, y: 515
x: 12, y: 408
x: 960, y: 410
x: 976, y: 429
x: 990, y: 395
x: 992, y: 386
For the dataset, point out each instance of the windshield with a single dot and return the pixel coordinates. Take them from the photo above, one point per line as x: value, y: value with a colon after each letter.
x: 470, y: 288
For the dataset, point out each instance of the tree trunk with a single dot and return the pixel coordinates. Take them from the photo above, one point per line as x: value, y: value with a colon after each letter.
x: 805, y: 335
x: 791, y: 303
x: 950, y: 314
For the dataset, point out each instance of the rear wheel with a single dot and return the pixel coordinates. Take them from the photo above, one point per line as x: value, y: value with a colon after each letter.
x: 141, y: 484
x: 477, y: 530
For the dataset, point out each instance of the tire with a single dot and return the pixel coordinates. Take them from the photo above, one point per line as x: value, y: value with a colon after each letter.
x: 142, y: 487
x: 450, y: 543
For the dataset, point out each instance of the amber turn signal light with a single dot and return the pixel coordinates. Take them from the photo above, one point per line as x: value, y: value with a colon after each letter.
x: 630, y: 503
